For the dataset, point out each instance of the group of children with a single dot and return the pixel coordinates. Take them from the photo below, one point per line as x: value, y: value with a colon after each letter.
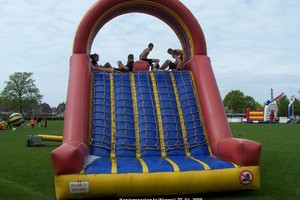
x: 6, y: 125
x: 31, y: 123
x: 176, y: 54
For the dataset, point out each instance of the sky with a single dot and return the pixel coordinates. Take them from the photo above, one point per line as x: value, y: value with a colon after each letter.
x: 254, y: 45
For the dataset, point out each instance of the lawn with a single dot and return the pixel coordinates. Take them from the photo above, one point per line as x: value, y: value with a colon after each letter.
x: 26, y: 172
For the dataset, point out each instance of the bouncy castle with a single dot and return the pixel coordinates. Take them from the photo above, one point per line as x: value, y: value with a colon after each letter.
x: 269, y: 115
x: 148, y: 133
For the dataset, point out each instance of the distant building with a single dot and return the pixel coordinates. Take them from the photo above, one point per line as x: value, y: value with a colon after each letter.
x: 4, y: 110
x: 60, y: 110
x: 44, y: 109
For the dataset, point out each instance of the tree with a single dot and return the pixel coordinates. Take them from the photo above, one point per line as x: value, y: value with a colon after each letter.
x: 297, y: 107
x: 249, y: 102
x: 20, y: 92
x: 283, y: 103
x: 236, y: 102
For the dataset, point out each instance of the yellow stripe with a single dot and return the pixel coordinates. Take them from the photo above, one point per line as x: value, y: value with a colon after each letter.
x: 256, y: 113
x: 113, y: 126
x: 256, y: 117
x: 136, y: 125
x: 200, y: 112
x: 159, y: 120
x: 206, y: 167
x: 112, y: 116
x: 235, y: 165
x: 91, y: 107
x: 144, y: 165
x: 135, y: 113
x: 175, y: 166
x: 182, y: 124
x: 113, y: 166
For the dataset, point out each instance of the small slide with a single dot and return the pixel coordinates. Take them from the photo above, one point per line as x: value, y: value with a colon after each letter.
x: 146, y: 133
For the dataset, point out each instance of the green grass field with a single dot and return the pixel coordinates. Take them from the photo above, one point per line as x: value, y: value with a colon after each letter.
x: 26, y: 172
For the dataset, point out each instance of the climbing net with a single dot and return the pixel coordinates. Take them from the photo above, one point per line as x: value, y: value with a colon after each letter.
x: 145, y: 112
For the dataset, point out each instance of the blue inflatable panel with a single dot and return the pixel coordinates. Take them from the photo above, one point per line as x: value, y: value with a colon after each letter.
x: 158, y: 164
x: 128, y: 165
x: 99, y: 166
x: 215, y: 163
x: 195, y: 134
x: 101, y: 115
x: 147, y: 116
x: 186, y: 164
x: 155, y: 164
x: 150, y: 104
x: 124, y: 118
x: 173, y: 138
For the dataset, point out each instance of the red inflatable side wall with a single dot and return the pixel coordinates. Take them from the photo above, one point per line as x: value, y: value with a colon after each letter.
x: 240, y: 151
x: 69, y: 158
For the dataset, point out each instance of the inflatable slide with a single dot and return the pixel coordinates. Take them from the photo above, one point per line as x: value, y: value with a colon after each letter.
x: 148, y: 133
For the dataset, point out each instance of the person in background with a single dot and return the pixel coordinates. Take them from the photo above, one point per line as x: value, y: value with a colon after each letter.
x: 39, y: 120
x: 28, y: 125
x: 45, y: 122
x: 8, y: 126
x: 32, y: 122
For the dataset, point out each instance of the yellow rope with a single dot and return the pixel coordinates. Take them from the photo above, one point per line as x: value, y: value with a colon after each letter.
x: 182, y: 124
x: 113, y: 125
x: 136, y: 125
x: 159, y: 120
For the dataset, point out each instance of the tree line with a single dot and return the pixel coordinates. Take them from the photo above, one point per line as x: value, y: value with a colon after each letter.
x: 236, y: 102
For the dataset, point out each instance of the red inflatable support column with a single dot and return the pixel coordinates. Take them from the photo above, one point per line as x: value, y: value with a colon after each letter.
x: 240, y: 151
x: 213, y: 112
x: 69, y: 157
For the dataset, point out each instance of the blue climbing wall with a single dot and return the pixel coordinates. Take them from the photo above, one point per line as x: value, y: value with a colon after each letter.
x: 140, y: 119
